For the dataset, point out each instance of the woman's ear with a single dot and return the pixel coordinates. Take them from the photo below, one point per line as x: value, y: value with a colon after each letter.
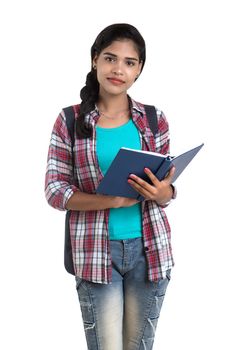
x: 140, y: 68
x: 139, y: 71
x: 94, y: 62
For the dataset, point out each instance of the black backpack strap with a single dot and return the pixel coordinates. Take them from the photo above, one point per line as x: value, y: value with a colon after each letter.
x: 70, y: 121
x: 68, y: 258
x: 151, y: 114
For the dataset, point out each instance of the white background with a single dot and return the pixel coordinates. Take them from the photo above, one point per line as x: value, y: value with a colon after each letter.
x: 189, y: 74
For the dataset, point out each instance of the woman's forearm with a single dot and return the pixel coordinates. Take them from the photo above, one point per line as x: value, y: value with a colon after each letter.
x: 85, y: 201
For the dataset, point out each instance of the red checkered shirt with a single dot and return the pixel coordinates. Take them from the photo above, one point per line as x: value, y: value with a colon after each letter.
x: 89, y: 229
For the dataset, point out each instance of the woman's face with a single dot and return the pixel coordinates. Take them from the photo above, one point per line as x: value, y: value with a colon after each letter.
x: 117, y: 66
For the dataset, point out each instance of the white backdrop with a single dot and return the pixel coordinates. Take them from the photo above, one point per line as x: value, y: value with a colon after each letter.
x: 189, y: 74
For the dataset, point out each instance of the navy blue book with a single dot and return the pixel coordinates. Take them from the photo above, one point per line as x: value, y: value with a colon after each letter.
x: 129, y: 161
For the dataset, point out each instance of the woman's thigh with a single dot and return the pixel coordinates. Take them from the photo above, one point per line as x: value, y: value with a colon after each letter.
x: 143, y: 302
x: 102, y: 313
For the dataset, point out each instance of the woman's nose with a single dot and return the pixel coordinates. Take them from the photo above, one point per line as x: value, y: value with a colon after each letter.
x: 117, y: 68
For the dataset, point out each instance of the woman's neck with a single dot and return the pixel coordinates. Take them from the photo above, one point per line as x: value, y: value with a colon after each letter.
x: 113, y: 111
x: 113, y: 105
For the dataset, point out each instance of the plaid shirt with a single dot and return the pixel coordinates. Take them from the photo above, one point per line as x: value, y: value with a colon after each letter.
x: 89, y: 229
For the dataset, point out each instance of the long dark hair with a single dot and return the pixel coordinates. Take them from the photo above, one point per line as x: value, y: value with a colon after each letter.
x: 89, y: 93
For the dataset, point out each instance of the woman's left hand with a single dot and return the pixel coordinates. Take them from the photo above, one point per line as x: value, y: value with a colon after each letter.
x: 159, y: 191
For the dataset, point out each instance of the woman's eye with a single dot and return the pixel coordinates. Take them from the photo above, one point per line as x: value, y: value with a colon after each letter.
x: 131, y: 63
x: 109, y: 59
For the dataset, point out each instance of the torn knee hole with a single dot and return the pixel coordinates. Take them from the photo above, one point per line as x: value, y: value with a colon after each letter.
x: 88, y: 326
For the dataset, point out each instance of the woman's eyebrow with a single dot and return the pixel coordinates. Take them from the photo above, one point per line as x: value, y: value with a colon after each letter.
x: 113, y: 55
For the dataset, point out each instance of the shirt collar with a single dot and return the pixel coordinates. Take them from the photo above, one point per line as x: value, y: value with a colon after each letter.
x: 93, y: 116
x: 136, y: 106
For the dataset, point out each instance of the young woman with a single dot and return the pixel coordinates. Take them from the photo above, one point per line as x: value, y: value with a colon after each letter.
x: 121, y: 247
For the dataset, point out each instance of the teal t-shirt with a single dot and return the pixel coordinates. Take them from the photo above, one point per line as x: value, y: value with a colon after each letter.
x: 124, y: 223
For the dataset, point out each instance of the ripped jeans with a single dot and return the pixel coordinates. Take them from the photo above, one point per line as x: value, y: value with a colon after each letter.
x: 122, y: 315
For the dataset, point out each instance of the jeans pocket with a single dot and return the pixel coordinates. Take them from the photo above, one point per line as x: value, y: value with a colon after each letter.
x: 159, y: 294
x: 168, y: 274
x: 78, y: 282
x: 162, y: 284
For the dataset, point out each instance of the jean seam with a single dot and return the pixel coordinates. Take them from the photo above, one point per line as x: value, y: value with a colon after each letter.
x: 146, y: 317
x: 91, y: 298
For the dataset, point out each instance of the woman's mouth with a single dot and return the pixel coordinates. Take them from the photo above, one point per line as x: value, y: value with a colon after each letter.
x: 115, y: 81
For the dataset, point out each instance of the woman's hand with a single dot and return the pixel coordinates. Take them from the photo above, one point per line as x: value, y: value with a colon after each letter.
x: 159, y: 191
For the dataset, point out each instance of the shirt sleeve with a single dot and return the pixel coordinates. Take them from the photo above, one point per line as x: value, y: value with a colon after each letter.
x: 59, y: 185
x: 162, y: 140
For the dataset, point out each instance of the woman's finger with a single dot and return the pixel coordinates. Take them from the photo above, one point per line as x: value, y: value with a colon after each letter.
x: 170, y: 175
x: 141, y: 186
x: 152, y: 177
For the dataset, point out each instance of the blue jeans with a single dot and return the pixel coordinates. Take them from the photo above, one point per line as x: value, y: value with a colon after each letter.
x: 122, y: 315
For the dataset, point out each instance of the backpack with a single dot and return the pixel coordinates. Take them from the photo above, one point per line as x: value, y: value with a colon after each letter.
x: 70, y: 122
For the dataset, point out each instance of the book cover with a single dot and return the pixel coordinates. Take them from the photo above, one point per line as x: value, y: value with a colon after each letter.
x: 129, y: 161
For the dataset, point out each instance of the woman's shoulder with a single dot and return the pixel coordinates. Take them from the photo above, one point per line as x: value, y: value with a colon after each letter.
x: 72, y: 109
x: 142, y: 107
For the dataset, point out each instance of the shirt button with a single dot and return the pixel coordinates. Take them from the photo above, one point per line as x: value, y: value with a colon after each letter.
x: 146, y: 249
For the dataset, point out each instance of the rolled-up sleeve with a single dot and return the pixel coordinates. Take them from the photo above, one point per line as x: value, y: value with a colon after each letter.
x: 59, y: 186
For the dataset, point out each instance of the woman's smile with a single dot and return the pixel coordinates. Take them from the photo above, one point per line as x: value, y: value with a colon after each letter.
x: 115, y: 81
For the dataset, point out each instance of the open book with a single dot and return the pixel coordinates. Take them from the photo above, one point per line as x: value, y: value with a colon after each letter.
x: 129, y: 161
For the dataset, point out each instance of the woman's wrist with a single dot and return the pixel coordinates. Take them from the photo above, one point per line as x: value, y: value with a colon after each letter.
x: 172, y: 195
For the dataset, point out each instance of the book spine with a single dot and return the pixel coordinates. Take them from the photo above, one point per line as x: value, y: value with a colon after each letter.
x: 164, y: 168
